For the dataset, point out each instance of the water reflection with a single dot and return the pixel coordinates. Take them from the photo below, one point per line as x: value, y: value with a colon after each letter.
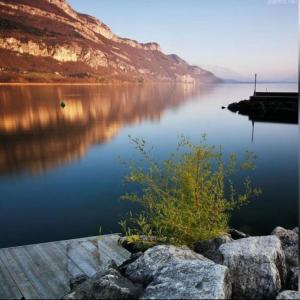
x: 37, y: 133
x: 74, y: 200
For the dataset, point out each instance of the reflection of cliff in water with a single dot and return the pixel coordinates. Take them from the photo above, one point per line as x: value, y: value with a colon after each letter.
x: 36, y: 133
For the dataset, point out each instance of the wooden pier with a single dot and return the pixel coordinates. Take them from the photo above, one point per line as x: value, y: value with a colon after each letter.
x: 43, y: 271
x: 275, y: 97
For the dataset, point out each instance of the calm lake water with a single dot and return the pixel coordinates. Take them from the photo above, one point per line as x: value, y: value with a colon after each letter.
x: 60, y: 175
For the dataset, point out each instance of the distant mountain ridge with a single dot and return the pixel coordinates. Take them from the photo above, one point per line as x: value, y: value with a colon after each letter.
x: 48, y: 41
x: 226, y: 73
x: 230, y: 76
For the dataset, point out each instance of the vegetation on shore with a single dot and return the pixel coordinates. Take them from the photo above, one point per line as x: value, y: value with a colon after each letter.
x: 189, y: 196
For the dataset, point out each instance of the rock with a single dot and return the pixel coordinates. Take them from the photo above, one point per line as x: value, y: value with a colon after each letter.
x: 144, y: 269
x: 286, y: 236
x: 289, y: 242
x: 134, y: 256
x: 74, y: 282
x: 291, y: 255
x: 234, y: 107
x: 256, y: 265
x: 190, y: 279
x: 210, y: 248
x: 292, y: 278
x: 289, y: 295
x: 296, y: 230
x: 236, y: 234
x: 111, y: 285
x: 178, y: 272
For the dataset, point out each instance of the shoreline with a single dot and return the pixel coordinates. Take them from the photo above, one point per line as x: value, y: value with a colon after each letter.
x: 52, y: 83
x: 129, y: 83
x: 230, y: 266
x: 96, y: 84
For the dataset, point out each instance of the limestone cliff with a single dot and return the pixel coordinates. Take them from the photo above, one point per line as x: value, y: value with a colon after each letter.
x: 46, y: 40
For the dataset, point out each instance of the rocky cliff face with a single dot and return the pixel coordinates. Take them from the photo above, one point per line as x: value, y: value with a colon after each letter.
x: 46, y: 40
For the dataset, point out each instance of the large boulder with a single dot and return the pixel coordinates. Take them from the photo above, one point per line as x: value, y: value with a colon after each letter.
x: 256, y: 265
x: 190, y: 279
x: 108, y: 285
x: 210, y: 248
x: 289, y: 295
x: 144, y: 269
x: 179, y: 273
x: 289, y: 241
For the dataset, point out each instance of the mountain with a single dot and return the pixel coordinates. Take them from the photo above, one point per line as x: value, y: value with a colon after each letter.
x: 230, y: 76
x: 227, y: 74
x: 48, y: 41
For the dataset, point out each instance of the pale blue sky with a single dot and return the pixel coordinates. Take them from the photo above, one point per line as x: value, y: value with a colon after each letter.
x: 246, y: 36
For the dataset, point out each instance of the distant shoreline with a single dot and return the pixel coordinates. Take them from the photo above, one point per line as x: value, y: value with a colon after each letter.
x: 129, y: 83
x: 55, y: 83
x: 103, y: 83
x: 259, y: 82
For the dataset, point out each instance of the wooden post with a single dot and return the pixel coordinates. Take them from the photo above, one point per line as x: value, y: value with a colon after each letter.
x: 252, y: 138
x: 254, y: 94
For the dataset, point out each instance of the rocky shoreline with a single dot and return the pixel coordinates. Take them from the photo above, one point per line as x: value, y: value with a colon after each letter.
x: 232, y: 266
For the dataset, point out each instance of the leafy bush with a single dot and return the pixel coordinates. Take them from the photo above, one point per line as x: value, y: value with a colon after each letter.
x: 189, y: 196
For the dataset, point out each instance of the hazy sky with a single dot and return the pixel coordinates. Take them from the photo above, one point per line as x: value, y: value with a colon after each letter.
x: 246, y: 36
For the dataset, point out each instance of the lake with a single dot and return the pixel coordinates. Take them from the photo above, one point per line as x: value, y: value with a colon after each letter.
x: 60, y: 171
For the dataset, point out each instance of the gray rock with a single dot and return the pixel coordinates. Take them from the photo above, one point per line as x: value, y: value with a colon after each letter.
x: 291, y: 255
x: 292, y: 278
x: 289, y: 295
x: 296, y: 229
x: 256, y: 266
x: 236, y: 234
x: 210, y: 248
x: 287, y: 237
x: 134, y: 256
x: 110, y: 285
x: 146, y: 266
x: 289, y: 241
x: 179, y: 273
x: 190, y: 279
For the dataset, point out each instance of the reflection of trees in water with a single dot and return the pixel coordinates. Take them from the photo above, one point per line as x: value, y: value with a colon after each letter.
x: 36, y: 133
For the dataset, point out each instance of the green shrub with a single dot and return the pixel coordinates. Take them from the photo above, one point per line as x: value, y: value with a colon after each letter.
x: 187, y: 197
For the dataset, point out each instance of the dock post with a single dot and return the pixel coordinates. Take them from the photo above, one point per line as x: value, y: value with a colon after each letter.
x: 252, y: 137
x: 255, y: 76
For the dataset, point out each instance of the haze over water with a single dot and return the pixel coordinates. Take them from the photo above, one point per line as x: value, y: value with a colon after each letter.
x: 60, y: 176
